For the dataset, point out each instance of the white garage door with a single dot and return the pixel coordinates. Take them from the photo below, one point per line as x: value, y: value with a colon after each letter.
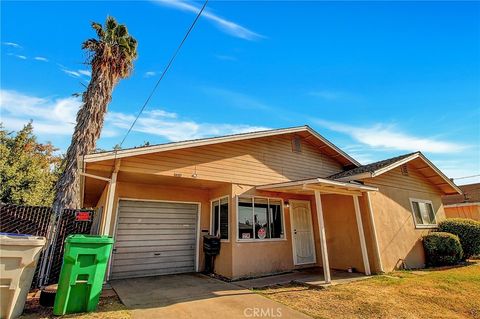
x: 154, y: 238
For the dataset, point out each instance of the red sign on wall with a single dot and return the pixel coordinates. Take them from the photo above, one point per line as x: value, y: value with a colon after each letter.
x: 83, y: 216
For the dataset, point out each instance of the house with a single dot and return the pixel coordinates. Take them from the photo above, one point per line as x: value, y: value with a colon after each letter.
x: 279, y: 199
x: 463, y: 206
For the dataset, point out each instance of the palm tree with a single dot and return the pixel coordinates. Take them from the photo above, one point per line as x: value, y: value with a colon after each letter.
x: 111, y: 56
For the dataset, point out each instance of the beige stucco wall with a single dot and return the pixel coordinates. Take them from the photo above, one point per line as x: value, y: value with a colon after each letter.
x: 341, y: 230
x: 260, y: 258
x: 398, y: 238
x: 223, y: 262
x: 249, y: 259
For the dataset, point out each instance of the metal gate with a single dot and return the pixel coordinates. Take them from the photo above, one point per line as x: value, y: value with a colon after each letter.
x: 41, y: 221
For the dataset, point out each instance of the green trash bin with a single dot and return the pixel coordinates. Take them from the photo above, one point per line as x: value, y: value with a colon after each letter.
x: 81, y: 279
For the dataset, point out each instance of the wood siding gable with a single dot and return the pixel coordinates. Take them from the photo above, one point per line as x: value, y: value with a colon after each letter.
x: 252, y: 162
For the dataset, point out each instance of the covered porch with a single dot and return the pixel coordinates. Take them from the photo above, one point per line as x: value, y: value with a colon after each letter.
x: 329, y: 197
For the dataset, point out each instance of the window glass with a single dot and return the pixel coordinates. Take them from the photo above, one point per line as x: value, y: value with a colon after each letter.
x: 245, y: 218
x: 416, y: 210
x: 220, y: 218
x: 423, y: 212
x: 430, y: 213
x: 275, y: 213
x: 215, y: 217
x: 223, y: 220
x: 261, y: 218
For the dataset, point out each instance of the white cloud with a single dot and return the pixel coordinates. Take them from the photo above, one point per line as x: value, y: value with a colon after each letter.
x: 50, y: 117
x: 389, y: 137
x: 85, y: 72
x: 21, y: 57
x: 12, y: 44
x: 75, y: 74
x: 40, y: 58
x: 161, y: 113
x: 225, y: 25
x: 57, y: 117
x: 71, y: 73
x: 149, y: 74
x: 168, y: 126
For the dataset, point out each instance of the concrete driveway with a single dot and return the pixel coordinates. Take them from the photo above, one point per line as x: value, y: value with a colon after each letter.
x: 195, y: 296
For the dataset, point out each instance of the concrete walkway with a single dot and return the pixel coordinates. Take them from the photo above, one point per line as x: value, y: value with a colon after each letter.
x: 308, y: 276
x: 196, y: 296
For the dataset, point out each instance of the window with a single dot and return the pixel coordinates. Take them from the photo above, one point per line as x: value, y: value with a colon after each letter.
x: 423, y: 213
x: 260, y: 218
x: 220, y: 218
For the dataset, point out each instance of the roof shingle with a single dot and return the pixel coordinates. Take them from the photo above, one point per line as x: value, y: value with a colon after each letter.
x: 370, y: 168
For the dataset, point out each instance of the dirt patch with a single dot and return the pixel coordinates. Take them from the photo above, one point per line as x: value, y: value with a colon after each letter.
x: 108, y: 308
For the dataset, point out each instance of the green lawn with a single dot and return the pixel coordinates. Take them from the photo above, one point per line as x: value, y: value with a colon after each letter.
x: 437, y: 293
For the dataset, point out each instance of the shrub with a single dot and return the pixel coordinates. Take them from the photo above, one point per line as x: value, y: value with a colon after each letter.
x: 468, y: 230
x: 442, y: 249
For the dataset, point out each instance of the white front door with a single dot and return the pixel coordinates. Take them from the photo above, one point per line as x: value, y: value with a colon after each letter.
x: 302, y: 232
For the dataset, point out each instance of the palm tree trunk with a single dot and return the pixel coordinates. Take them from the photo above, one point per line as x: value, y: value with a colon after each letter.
x: 90, y: 118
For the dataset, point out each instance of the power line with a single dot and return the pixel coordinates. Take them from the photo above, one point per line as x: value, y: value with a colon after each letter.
x: 463, y: 177
x: 165, y: 70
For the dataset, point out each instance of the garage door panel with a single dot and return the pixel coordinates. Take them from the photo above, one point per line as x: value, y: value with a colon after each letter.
x: 155, y: 231
x: 186, y: 222
x: 154, y: 266
x: 155, y: 226
x: 164, y: 205
x: 156, y: 260
x: 120, y: 251
x: 150, y: 237
x: 154, y: 238
x: 173, y: 214
x: 140, y: 273
x: 148, y: 254
x: 146, y: 243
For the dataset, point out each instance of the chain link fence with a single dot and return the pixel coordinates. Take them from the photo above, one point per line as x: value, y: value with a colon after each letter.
x: 41, y: 221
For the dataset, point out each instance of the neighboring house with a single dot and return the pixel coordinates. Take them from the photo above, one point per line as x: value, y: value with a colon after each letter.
x: 280, y: 200
x: 464, y: 206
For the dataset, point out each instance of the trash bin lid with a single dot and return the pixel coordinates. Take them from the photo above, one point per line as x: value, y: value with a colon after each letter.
x: 21, y: 239
x: 88, y: 239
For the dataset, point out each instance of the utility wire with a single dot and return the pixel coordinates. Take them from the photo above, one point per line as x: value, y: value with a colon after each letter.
x: 463, y: 177
x: 165, y: 71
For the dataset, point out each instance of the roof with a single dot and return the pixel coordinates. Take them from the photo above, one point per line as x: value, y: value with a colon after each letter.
x: 215, y: 140
x: 370, y: 168
x: 471, y: 194
x: 377, y: 168
x: 321, y: 184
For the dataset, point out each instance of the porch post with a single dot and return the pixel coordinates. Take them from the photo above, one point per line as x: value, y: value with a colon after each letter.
x: 110, y: 199
x: 323, y: 239
x: 374, y: 231
x: 361, y: 234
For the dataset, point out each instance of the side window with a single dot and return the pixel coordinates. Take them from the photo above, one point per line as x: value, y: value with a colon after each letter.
x: 423, y: 212
x: 220, y: 218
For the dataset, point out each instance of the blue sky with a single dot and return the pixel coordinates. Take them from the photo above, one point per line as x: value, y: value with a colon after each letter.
x: 378, y: 79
